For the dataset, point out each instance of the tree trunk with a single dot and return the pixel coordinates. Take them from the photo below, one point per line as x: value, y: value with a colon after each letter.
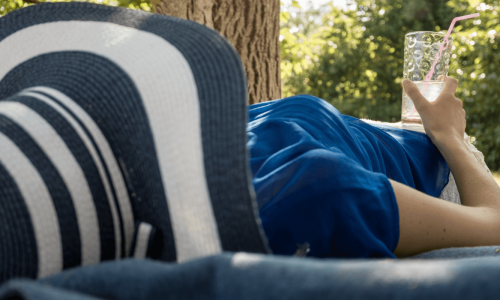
x: 252, y: 26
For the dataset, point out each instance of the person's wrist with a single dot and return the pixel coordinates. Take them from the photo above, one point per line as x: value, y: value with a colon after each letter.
x: 449, y: 144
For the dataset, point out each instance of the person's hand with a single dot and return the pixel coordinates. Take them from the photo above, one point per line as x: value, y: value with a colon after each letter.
x: 444, y: 119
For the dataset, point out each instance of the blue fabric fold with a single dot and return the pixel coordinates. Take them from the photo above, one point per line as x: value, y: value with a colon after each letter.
x: 245, y: 276
x: 323, y: 178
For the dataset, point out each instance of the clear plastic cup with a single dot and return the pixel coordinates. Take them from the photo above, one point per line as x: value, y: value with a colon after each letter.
x: 421, y: 53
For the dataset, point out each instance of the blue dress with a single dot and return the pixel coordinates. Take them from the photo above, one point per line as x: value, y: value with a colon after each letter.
x: 323, y: 178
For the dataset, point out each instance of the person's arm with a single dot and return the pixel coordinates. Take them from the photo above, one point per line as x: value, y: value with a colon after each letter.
x: 427, y: 223
x: 444, y: 122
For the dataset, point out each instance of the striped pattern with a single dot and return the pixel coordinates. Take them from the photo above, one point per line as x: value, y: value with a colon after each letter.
x: 175, y: 124
x: 181, y: 159
x: 33, y: 187
x: 39, y: 204
x: 57, y: 151
x: 104, y: 155
x: 142, y: 240
x: 103, y: 146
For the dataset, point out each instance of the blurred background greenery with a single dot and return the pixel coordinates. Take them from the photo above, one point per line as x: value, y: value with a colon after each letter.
x: 352, y: 56
x: 10, y: 5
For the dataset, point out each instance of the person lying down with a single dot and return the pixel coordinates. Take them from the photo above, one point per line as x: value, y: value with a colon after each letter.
x: 344, y: 188
x: 322, y: 179
x: 104, y: 156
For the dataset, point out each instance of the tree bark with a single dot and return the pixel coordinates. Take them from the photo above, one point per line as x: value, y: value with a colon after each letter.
x: 252, y: 26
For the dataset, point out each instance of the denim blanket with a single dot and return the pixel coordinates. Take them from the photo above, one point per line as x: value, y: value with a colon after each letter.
x: 245, y: 276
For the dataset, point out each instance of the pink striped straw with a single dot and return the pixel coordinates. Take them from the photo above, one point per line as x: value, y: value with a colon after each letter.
x: 438, y: 55
x: 441, y: 47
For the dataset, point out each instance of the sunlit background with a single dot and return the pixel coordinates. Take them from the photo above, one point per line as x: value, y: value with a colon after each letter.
x: 315, y: 4
x: 350, y: 53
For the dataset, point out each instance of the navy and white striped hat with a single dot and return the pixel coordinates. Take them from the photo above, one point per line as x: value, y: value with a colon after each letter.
x: 122, y: 133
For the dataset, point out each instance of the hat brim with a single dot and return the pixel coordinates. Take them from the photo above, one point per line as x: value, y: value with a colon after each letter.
x: 137, y: 116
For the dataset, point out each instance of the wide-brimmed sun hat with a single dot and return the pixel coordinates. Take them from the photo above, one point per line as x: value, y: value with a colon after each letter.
x: 122, y: 133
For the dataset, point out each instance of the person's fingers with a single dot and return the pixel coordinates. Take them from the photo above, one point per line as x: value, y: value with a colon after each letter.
x: 411, y: 90
x: 450, y: 85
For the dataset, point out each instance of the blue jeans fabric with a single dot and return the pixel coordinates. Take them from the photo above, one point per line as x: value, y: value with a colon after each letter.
x: 248, y: 276
x: 458, y: 253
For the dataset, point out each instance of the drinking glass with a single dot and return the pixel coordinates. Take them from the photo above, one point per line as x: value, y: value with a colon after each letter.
x: 420, y: 56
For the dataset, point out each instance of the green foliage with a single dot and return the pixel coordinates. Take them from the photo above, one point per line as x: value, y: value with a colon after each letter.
x: 7, y: 6
x: 477, y: 68
x: 354, y: 58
